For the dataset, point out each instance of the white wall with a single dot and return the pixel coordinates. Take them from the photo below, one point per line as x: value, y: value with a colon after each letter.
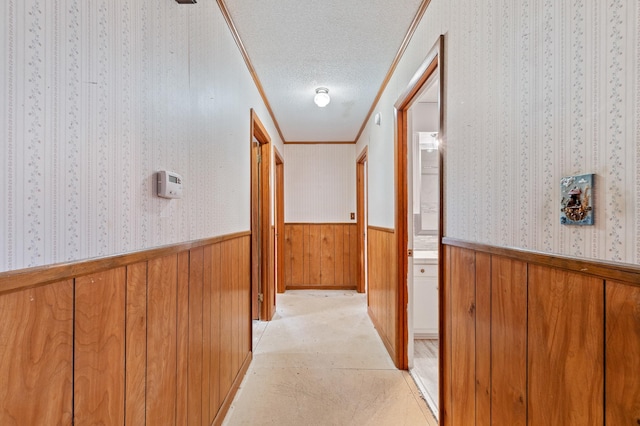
x: 536, y: 90
x: 96, y: 97
x: 319, y: 183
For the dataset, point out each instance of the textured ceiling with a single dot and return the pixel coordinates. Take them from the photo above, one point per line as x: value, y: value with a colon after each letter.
x: 296, y: 46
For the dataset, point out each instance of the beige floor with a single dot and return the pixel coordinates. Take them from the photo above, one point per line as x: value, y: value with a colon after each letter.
x: 321, y: 362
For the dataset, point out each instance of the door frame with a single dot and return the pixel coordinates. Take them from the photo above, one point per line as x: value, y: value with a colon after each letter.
x: 261, y: 278
x: 279, y: 221
x: 360, y: 222
x: 434, y: 62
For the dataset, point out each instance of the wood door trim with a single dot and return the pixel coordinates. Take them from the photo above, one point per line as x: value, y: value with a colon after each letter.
x: 361, y: 220
x: 279, y: 207
x: 433, y: 61
x: 598, y: 268
x: 38, y: 276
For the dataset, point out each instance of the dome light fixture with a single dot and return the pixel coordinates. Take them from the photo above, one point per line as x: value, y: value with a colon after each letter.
x: 322, y: 98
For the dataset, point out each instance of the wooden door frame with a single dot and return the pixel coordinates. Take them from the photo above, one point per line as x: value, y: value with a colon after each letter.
x: 434, y: 62
x: 279, y: 221
x: 360, y: 222
x: 267, y: 308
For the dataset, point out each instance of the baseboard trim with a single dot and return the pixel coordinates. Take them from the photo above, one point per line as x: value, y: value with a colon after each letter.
x: 226, y: 404
x: 383, y: 337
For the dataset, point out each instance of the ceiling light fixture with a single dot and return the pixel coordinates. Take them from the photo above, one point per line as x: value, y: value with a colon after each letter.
x: 322, y: 98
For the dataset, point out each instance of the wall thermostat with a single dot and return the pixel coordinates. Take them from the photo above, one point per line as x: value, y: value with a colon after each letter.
x: 169, y: 184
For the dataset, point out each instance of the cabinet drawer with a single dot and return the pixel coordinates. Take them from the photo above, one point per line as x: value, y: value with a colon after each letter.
x: 425, y: 271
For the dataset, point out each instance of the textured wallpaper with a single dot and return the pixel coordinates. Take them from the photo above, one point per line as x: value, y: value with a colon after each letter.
x: 319, y: 183
x: 96, y: 96
x: 536, y: 91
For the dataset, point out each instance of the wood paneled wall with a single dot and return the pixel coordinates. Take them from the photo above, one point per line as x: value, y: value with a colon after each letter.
x: 382, y: 288
x: 524, y: 342
x: 320, y: 256
x: 163, y: 341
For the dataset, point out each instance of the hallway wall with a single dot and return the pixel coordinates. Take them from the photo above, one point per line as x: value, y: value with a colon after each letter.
x: 97, y: 96
x: 536, y: 91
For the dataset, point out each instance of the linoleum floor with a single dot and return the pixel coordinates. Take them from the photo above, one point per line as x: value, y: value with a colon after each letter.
x: 321, y: 362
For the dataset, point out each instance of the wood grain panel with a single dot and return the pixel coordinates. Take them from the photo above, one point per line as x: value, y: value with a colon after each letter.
x: 353, y: 256
x: 483, y: 339
x: 162, y: 340
x: 340, y: 255
x: 297, y: 255
x: 245, y: 268
x: 216, y: 346
x: 206, y: 335
x: 327, y: 255
x: 622, y: 402
x: 508, y: 341
x: 566, y: 336
x: 36, y: 352
x: 136, y: 344
x: 445, y: 339
x: 288, y: 255
x: 99, y: 348
x: 313, y: 243
x: 347, y: 255
x: 235, y: 307
x: 463, y: 323
x: 226, y: 311
x: 182, y: 339
x: 195, y: 333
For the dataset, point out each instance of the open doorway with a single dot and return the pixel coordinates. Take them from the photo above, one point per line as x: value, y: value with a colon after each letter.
x: 362, y: 221
x: 262, y: 277
x: 279, y: 221
x: 419, y: 221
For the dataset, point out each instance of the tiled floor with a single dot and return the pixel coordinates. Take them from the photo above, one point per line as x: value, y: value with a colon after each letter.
x: 321, y: 362
x: 425, y: 370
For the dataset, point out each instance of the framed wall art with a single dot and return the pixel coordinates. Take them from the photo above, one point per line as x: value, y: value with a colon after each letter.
x: 576, y: 205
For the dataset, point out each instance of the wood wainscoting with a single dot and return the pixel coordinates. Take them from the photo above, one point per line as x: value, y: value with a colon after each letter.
x: 320, y: 256
x: 529, y: 338
x: 155, y: 337
x: 382, y: 288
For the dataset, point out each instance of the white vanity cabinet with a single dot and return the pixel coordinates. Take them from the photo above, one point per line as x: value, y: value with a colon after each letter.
x: 425, y: 300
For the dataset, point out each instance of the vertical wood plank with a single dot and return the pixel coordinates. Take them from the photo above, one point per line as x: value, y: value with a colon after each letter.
x: 182, y: 339
x: 246, y: 337
x: 297, y: 255
x: 36, y: 353
x: 483, y: 339
x: 206, y: 334
x: 288, y: 255
x: 463, y: 323
x: 216, y: 284
x: 307, y: 253
x: 622, y: 402
x: 226, y: 312
x: 327, y: 255
x: 339, y: 253
x: 235, y: 304
x: 195, y: 333
x: 347, y: 256
x: 508, y: 341
x: 161, y: 340
x: 566, y: 339
x: 314, y: 250
x: 353, y: 255
x: 445, y: 339
x: 136, y: 344
x: 99, y: 339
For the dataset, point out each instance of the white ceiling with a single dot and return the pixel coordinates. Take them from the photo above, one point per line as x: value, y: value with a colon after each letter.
x: 296, y: 46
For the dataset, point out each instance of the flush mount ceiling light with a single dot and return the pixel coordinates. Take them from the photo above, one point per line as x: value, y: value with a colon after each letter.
x: 322, y: 98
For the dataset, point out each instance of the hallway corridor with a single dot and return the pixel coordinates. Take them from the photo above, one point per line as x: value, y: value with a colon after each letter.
x: 321, y: 362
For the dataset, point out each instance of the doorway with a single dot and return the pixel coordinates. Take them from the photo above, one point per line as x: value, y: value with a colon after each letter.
x: 362, y: 221
x: 262, y: 278
x: 419, y: 222
x: 279, y: 222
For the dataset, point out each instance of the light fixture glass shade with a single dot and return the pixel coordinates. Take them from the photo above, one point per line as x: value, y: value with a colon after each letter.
x: 322, y: 98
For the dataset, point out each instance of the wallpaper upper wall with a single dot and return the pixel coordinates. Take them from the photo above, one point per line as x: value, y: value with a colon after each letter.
x: 96, y: 96
x: 319, y: 183
x: 536, y: 90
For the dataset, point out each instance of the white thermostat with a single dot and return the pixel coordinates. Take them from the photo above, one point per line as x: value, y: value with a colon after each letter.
x: 169, y: 184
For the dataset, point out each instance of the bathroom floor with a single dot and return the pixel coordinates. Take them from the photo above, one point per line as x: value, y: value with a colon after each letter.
x: 425, y: 369
x: 321, y: 362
